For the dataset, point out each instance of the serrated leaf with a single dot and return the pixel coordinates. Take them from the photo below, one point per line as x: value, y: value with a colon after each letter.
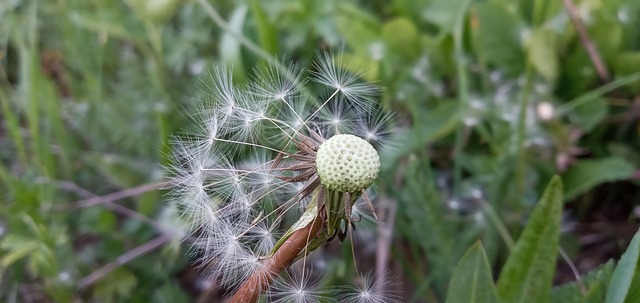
x: 620, y: 283
x: 528, y: 273
x: 472, y: 281
x: 586, y: 174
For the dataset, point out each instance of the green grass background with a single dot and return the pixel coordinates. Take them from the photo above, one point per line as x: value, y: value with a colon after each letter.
x: 91, y: 92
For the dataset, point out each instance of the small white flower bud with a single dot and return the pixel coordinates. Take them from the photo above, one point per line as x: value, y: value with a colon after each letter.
x: 346, y: 163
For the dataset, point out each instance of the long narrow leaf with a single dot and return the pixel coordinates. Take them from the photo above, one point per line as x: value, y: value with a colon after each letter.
x: 528, y: 273
x: 622, y: 277
x: 472, y: 281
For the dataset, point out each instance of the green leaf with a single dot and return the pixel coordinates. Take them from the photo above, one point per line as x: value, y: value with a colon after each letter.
x: 230, y: 47
x: 528, y: 273
x: 586, y: 174
x: 472, y: 281
x: 634, y: 289
x: 589, y: 114
x: 499, y: 37
x: 266, y: 30
x: 308, y: 217
x: 170, y: 293
x: 626, y: 63
x: 360, y: 63
x: 594, y: 283
x: 620, y: 283
x: 541, y: 49
x: 445, y: 13
x: 157, y: 11
x: 432, y: 125
x: 118, y: 284
x: 606, y: 34
x: 599, y: 92
x: 401, y: 35
x: 19, y: 247
x: 359, y: 34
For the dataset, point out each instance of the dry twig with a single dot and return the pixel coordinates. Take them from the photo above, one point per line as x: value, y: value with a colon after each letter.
x: 119, y: 195
x: 123, y: 259
x: 591, y: 49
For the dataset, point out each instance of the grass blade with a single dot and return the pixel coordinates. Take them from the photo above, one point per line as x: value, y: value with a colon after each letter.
x: 620, y: 282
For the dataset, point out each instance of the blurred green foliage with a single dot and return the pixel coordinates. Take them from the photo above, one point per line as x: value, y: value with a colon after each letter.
x: 494, y: 97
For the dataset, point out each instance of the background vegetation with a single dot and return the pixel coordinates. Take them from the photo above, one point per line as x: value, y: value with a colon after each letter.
x: 493, y: 98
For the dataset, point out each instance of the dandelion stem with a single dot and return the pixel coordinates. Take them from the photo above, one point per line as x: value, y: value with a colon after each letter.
x: 281, y: 259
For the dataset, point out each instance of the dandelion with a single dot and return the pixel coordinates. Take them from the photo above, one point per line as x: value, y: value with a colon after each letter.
x: 271, y: 172
x: 296, y: 288
x: 367, y: 289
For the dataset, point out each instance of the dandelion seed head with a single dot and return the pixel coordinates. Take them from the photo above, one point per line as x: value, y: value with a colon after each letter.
x: 347, y: 163
x: 254, y: 159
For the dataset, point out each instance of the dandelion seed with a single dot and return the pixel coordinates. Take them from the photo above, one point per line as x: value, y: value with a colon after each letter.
x: 331, y: 72
x: 273, y: 85
x: 262, y: 153
x: 366, y: 289
x: 299, y: 288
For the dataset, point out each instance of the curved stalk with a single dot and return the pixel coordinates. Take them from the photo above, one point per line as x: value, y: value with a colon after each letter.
x: 250, y: 290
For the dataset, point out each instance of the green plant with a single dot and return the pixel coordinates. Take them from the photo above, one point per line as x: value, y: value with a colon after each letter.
x: 492, y: 98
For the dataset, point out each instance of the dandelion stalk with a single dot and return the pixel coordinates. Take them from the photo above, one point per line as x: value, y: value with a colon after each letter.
x: 253, y: 287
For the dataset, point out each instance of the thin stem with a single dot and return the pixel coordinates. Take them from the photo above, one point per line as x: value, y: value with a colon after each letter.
x: 574, y: 270
x: 123, y: 259
x: 463, y: 98
x: 522, y: 132
x: 127, y: 193
x: 589, y: 46
x: 321, y: 106
x: 598, y: 92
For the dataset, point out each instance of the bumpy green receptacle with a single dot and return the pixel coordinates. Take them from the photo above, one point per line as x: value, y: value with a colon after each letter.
x: 346, y: 163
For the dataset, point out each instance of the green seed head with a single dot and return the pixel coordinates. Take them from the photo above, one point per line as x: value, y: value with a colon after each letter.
x: 346, y: 163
